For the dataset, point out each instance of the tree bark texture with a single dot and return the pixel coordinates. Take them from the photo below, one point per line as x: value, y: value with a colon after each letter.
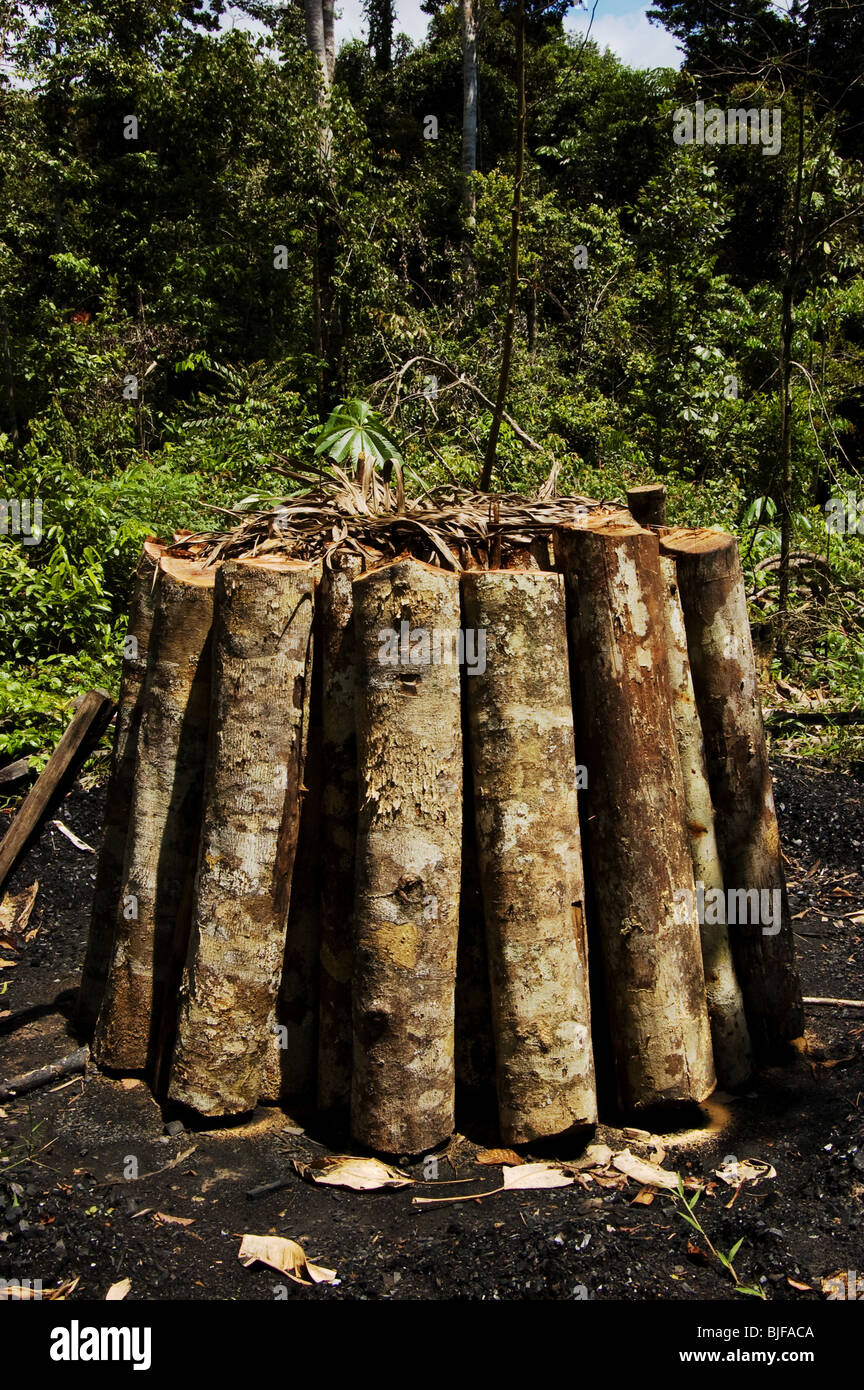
x: 164, y: 821
x: 109, y: 873
x: 637, y: 843
x: 409, y: 759
x: 262, y: 639
x: 730, y: 1037
x: 527, y: 825
x: 338, y: 831
x: 713, y: 599
x: 291, y: 1061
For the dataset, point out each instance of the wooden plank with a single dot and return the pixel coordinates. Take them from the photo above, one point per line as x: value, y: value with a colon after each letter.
x: 91, y: 718
x: 13, y: 772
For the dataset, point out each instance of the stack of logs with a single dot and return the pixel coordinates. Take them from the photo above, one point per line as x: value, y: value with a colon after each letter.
x: 353, y: 874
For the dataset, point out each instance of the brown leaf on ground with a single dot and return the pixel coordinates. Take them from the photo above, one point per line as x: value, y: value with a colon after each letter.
x: 15, y: 910
x: 595, y: 1156
x: 498, y: 1157
x: 360, y: 1174
x: 648, y: 1174
x: 163, y: 1219
x: 62, y: 1291
x: 531, y: 1175
x: 842, y: 1284
x: 644, y: 1197
x: 285, y: 1256
x: 118, y: 1291
x: 752, y: 1170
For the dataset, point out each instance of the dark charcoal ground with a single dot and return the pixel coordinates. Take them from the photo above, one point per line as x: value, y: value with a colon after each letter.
x: 67, y: 1211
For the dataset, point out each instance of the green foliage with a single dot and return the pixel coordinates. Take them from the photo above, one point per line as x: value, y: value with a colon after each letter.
x: 257, y: 256
x: 354, y: 429
x: 688, y: 1214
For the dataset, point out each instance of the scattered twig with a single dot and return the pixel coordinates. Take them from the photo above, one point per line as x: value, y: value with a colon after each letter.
x: 840, y: 1003
x: 32, y: 1080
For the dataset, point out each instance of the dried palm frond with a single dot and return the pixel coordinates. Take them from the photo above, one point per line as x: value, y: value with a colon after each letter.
x: 446, y: 526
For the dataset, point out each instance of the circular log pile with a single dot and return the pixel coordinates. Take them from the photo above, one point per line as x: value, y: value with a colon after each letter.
x: 411, y: 799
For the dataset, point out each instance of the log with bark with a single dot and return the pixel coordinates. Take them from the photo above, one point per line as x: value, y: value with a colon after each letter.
x: 406, y: 909
x: 636, y: 839
x: 262, y: 635
x: 290, y: 1072
x: 338, y: 831
x: 118, y: 797
x: 527, y: 828
x: 154, y: 911
x: 647, y: 504
x: 713, y: 598
x: 730, y: 1036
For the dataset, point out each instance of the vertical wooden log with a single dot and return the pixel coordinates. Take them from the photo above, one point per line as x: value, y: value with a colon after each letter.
x: 713, y: 598
x: 730, y: 1037
x: 474, y: 1049
x: 118, y: 797
x: 647, y: 504
x: 291, y: 1062
x: 164, y: 820
x: 291, y: 1070
x: 262, y: 636
x: 338, y: 831
x: 406, y: 913
x: 527, y: 824
x: 640, y: 857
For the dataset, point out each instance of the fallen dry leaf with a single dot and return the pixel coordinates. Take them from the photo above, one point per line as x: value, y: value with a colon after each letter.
x: 648, y: 1174
x: 498, y: 1157
x: 644, y: 1197
x: 752, y: 1170
x: 62, y: 1291
x: 360, y: 1174
x: 595, y: 1156
x: 836, y: 1286
x: 15, y: 910
x: 795, y: 1285
x: 531, y: 1175
x: 118, y: 1291
x: 514, y: 1179
x: 164, y: 1219
x: 286, y: 1256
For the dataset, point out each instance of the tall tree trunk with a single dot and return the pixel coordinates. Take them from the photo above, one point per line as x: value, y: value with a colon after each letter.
x: 262, y: 636
x: 11, y: 408
x: 510, y: 323
x: 730, y: 1036
x: 711, y: 585
x: 328, y: 8
x: 118, y: 799
x: 338, y: 831
x: 317, y: 35
x: 164, y: 821
x: 409, y: 834
x: 637, y: 845
x: 469, y: 104
x: 527, y: 825
x: 787, y: 334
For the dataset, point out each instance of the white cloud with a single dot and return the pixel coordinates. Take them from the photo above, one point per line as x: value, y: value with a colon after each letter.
x: 630, y: 36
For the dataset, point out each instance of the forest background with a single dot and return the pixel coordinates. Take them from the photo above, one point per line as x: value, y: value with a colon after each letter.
x: 212, y: 238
